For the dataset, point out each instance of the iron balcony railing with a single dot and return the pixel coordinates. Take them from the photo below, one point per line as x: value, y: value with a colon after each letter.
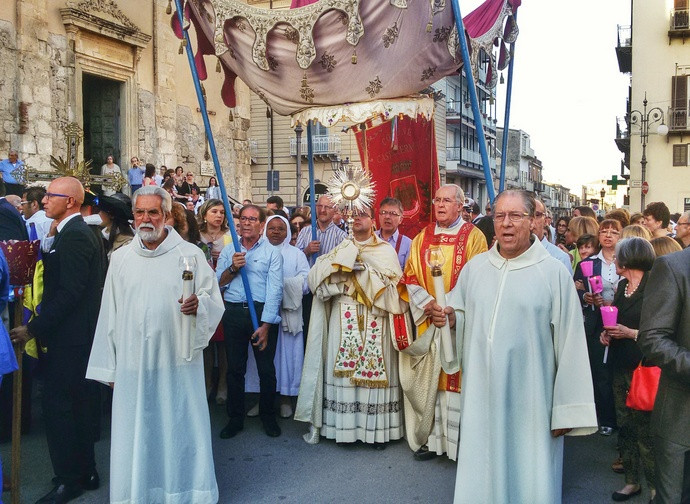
x: 323, y: 145
x: 680, y: 19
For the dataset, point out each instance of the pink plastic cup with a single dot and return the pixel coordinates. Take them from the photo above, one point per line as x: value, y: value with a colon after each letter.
x: 596, y: 284
x: 609, y: 315
x: 587, y: 268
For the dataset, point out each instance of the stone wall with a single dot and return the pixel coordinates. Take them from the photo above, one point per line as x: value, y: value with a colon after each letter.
x: 40, y: 93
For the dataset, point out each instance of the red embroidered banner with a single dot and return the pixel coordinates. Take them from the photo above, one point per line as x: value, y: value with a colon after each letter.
x: 401, y: 156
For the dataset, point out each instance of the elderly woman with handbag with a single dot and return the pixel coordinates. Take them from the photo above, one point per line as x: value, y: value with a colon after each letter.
x: 634, y: 258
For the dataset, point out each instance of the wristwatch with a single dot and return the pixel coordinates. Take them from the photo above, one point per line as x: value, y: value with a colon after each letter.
x: 232, y: 269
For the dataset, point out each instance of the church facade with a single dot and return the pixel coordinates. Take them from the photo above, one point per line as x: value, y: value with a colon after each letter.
x: 113, y: 67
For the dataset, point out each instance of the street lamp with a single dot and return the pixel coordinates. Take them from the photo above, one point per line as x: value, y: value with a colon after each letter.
x: 603, y: 194
x: 645, y: 120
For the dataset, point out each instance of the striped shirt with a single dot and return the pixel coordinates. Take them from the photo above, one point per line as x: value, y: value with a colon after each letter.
x: 330, y: 238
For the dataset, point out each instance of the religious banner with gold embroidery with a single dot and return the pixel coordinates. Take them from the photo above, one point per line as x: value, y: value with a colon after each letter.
x: 401, y: 156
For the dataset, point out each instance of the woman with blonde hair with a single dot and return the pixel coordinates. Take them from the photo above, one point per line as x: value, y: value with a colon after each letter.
x: 576, y: 228
x: 636, y: 231
x: 665, y: 245
x: 637, y: 218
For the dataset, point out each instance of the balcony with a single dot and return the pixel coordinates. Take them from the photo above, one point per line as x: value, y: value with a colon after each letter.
x: 458, y: 111
x: 623, y: 135
x: 624, y: 49
x: 323, y: 145
x: 679, y: 25
x: 467, y: 163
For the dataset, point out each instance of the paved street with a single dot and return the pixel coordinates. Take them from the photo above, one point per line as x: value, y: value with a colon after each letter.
x: 255, y: 468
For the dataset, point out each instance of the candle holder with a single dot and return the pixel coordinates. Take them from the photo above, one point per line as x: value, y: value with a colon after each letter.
x: 435, y: 260
x: 188, y: 266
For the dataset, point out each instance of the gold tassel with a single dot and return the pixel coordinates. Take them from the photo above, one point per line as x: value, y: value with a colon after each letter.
x: 168, y: 9
x: 354, y: 57
x: 429, y: 27
x: 181, y: 49
x: 218, y: 68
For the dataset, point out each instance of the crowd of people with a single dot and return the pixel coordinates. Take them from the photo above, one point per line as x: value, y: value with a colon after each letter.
x: 145, y: 302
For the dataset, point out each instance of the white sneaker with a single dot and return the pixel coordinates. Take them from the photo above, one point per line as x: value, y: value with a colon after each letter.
x: 254, y: 412
x: 285, y: 411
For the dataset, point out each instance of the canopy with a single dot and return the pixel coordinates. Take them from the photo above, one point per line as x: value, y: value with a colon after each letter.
x: 335, y: 52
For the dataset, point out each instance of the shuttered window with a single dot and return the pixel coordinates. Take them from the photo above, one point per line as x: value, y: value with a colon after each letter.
x: 680, y: 155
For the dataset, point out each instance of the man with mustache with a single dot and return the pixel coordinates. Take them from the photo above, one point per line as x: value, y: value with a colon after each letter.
x: 161, y: 433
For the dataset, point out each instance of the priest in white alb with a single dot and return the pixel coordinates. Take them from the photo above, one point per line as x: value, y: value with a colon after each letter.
x: 148, y: 347
x: 525, y: 371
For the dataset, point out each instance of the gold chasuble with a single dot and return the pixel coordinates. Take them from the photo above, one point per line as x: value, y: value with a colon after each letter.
x: 432, y: 404
x: 457, y: 249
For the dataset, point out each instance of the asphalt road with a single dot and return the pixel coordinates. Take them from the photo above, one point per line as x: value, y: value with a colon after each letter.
x: 255, y: 468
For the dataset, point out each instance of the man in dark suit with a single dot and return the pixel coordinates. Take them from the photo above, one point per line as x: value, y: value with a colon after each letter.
x: 665, y: 340
x: 73, y: 282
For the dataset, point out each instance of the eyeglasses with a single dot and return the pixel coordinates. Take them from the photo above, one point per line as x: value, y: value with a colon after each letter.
x: 445, y: 201
x: 27, y: 202
x: 154, y: 212
x: 512, y: 216
x: 384, y: 213
x: 611, y: 232
x: 244, y: 218
x: 49, y: 195
x: 679, y: 224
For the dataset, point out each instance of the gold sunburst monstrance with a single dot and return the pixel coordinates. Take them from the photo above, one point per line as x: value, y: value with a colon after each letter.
x: 351, y: 189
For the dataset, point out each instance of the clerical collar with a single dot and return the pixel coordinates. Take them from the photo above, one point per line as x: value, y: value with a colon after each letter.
x: 457, y: 221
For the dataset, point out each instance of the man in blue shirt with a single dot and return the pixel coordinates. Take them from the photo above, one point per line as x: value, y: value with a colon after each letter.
x: 135, y: 174
x: 7, y: 166
x: 264, y: 266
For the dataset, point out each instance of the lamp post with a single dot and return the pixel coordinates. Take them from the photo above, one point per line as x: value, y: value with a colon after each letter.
x: 645, y: 119
x: 603, y: 194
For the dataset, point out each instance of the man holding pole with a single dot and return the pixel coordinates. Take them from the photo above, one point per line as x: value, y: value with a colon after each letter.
x: 432, y: 397
x: 264, y: 267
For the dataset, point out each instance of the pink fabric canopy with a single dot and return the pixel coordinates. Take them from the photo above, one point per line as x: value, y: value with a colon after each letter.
x: 330, y: 52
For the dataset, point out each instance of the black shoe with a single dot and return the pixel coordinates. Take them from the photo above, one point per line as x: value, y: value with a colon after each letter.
x: 60, y: 494
x: 271, y: 427
x: 91, y: 481
x: 621, y: 497
x: 231, y: 430
x: 424, y: 454
x: 378, y: 446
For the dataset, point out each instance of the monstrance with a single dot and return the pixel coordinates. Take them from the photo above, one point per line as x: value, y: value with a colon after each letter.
x: 351, y: 189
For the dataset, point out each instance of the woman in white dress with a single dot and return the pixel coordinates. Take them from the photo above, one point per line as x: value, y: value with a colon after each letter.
x: 290, y: 350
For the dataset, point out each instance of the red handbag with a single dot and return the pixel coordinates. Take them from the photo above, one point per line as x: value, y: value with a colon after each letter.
x: 645, y: 382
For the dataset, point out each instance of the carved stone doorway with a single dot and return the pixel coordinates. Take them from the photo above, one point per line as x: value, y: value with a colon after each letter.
x: 101, y: 109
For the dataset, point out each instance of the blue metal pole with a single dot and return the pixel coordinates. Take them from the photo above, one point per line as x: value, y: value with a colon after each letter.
x: 312, y: 189
x: 473, y: 99
x: 506, y: 118
x: 216, y: 163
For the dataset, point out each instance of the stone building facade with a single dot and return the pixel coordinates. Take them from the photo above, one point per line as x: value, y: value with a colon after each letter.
x: 113, y: 67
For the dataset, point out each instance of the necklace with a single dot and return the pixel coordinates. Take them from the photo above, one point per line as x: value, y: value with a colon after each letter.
x: 212, y: 237
x: 629, y: 293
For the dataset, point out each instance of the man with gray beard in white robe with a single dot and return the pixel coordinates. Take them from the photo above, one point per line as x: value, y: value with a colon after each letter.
x: 161, y: 436
x: 525, y: 371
